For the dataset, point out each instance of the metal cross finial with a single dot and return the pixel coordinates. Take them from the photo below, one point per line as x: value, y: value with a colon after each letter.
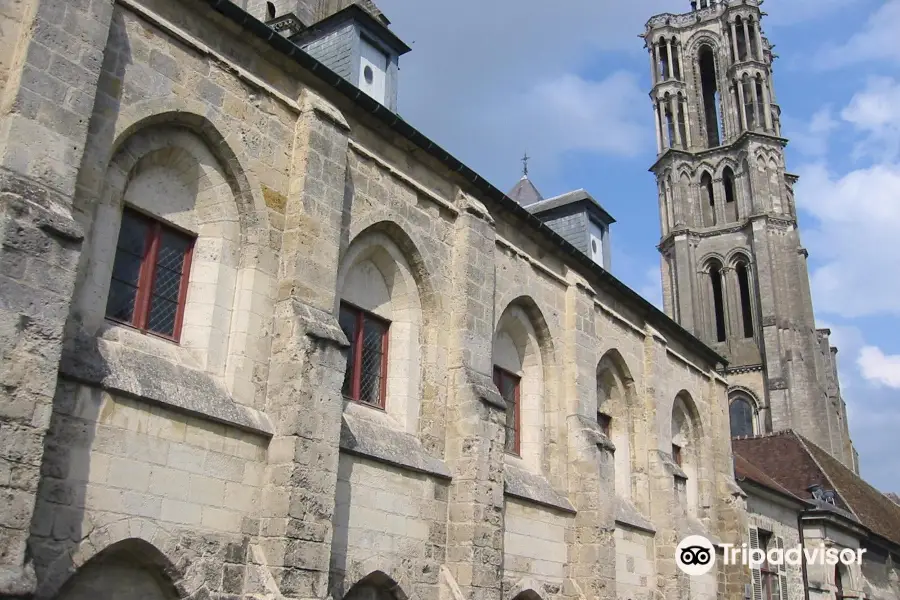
x: 525, y: 160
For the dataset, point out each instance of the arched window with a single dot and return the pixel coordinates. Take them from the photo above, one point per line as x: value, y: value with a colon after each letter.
x: 731, y: 211
x: 682, y: 119
x: 670, y: 122
x: 686, y: 447
x: 519, y: 375
x: 708, y: 200
x: 381, y: 315
x: 743, y: 417
x: 270, y: 10
x: 741, y: 39
x: 710, y: 89
x: 749, y: 106
x: 751, y: 31
x: 614, y: 388
x: 743, y: 276
x: 760, y: 103
x: 663, y: 59
x: 718, y: 300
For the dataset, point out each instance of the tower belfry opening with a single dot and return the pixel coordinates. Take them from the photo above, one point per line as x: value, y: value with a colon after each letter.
x: 710, y: 90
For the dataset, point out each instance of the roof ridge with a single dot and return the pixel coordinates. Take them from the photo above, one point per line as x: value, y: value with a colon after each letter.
x: 803, y: 441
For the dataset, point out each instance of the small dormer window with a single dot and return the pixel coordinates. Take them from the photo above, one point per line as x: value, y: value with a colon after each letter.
x: 373, y: 71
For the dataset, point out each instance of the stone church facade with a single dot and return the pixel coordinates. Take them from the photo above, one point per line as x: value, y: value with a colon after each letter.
x: 263, y: 339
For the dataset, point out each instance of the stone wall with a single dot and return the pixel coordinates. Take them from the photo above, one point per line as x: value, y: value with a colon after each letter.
x: 228, y: 464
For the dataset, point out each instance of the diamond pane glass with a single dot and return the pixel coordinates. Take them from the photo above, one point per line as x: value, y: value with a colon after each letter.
x: 172, y: 250
x: 161, y: 319
x: 372, y: 364
x: 347, y: 320
x: 166, y: 284
x: 120, y: 304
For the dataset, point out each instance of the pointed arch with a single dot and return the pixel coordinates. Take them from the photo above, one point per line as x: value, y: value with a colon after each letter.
x: 710, y: 94
x: 522, y: 356
x: 716, y: 295
x: 743, y: 412
x: 379, y: 304
x: 731, y: 204
x: 686, y: 435
x: 615, y: 399
x: 741, y: 266
x: 377, y: 585
x: 130, y: 568
x: 707, y: 200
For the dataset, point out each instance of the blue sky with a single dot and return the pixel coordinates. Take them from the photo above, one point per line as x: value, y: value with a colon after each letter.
x: 568, y: 82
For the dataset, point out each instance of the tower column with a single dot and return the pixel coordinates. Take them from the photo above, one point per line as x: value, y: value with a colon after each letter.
x: 687, y: 122
x: 669, y: 58
x: 756, y: 115
x: 734, y: 43
x: 653, y: 78
x: 742, y: 108
x: 659, y: 141
x: 656, y: 61
x: 759, y: 47
x: 747, y: 46
x: 675, y: 107
x: 680, y: 61
x: 767, y: 106
x: 667, y: 141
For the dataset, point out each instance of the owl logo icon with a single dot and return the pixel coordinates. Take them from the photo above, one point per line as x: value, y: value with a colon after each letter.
x: 695, y: 555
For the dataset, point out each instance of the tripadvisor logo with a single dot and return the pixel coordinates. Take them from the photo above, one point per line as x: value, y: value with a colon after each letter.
x: 696, y: 555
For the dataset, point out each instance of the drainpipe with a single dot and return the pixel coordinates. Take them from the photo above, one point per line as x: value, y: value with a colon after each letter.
x: 803, y: 554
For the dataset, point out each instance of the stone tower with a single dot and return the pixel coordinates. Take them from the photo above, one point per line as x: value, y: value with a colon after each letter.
x: 734, y: 271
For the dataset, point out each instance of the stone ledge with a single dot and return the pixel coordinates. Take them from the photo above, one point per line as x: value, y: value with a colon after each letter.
x: 627, y: 514
x: 523, y: 484
x: 122, y: 370
x: 371, y: 437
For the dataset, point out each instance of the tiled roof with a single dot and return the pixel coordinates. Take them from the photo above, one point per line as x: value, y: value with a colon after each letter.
x: 745, y: 470
x: 525, y: 193
x: 793, y: 463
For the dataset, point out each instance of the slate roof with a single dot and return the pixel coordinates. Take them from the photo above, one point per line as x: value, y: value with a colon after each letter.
x: 569, y: 198
x: 794, y: 463
x: 525, y: 193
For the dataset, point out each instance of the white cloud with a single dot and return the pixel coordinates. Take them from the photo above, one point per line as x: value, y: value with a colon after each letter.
x: 875, y: 112
x: 489, y: 80
x: 876, y: 41
x: 879, y: 368
x: 854, y: 239
x: 811, y: 138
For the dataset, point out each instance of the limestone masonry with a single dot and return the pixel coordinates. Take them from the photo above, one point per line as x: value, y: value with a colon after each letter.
x: 262, y: 339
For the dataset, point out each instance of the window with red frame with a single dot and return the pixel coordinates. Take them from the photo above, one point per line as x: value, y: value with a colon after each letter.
x: 150, y: 276
x: 366, y: 377
x: 771, y: 585
x: 508, y: 384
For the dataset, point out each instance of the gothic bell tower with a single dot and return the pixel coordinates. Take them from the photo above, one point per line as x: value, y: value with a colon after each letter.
x: 733, y: 269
